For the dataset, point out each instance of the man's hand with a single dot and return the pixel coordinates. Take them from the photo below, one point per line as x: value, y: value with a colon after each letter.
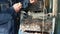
x: 17, y: 7
x: 33, y: 1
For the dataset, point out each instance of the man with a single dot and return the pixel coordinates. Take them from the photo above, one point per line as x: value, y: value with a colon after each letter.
x: 7, y: 14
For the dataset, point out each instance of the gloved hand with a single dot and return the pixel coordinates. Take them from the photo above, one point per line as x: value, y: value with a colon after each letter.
x: 17, y: 7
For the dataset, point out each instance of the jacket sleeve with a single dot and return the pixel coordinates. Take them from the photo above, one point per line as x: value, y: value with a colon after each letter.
x: 10, y: 11
x: 6, y: 15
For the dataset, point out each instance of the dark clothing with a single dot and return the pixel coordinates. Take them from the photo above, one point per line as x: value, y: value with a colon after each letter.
x: 6, y: 18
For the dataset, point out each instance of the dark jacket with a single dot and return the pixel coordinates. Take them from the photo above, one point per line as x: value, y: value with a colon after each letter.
x: 6, y: 18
